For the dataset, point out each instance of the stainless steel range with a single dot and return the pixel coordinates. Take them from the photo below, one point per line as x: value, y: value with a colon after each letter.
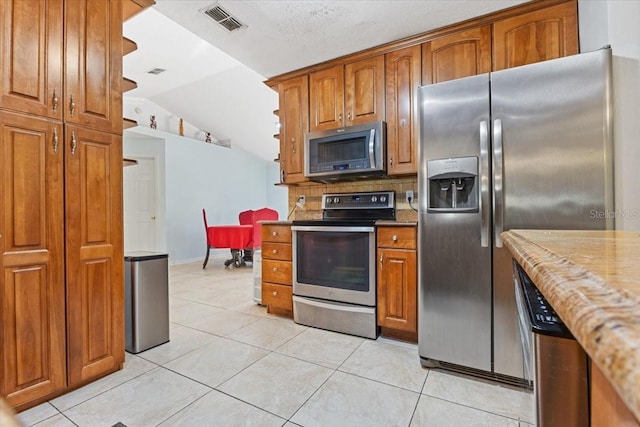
x: 334, y: 266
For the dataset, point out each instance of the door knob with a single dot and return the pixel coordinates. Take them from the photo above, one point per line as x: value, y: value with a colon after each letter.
x: 153, y: 217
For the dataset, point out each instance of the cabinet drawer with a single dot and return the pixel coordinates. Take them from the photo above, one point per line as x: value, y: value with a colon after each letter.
x: 276, y: 271
x: 397, y: 237
x: 276, y: 233
x: 279, y: 296
x: 280, y: 251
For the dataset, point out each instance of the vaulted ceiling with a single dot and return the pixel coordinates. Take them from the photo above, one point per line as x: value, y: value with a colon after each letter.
x: 214, y: 77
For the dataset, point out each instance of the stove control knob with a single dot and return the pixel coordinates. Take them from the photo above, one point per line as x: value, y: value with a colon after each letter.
x: 328, y: 200
x: 374, y: 199
x: 383, y: 199
x: 336, y: 200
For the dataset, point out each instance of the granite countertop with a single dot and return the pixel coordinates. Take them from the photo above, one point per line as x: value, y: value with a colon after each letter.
x: 592, y: 280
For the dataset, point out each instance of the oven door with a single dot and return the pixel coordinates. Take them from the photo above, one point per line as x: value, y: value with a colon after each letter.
x: 335, y: 263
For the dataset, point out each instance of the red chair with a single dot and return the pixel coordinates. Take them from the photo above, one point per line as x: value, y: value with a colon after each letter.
x: 209, y: 233
x: 233, y: 237
x: 241, y: 239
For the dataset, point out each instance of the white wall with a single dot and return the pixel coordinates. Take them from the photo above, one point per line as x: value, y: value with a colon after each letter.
x: 194, y: 175
x: 617, y: 23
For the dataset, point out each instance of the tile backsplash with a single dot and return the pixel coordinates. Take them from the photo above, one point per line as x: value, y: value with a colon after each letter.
x: 313, y: 195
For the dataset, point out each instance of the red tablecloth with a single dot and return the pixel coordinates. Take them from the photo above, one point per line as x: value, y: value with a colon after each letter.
x: 230, y: 236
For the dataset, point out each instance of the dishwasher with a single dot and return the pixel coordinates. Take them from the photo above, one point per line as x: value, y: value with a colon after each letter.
x: 555, y: 362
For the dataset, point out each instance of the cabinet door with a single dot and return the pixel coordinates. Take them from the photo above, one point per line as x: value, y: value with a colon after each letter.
x: 541, y: 35
x: 94, y: 257
x: 31, y: 43
x: 294, y: 123
x: 93, y: 41
x: 463, y: 54
x: 32, y: 304
x: 397, y: 290
x: 364, y: 91
x: 326, y: 94
x: 402, y: 82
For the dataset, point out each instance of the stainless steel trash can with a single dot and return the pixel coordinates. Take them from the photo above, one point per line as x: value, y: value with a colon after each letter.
x: 146, y: 300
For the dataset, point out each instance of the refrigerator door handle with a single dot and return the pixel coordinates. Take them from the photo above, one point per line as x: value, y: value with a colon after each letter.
x: 498, y: 195
x: 483, y: 175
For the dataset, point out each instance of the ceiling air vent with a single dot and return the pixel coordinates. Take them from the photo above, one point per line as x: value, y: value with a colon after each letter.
x: 224, y: 18
x: 156, y: 71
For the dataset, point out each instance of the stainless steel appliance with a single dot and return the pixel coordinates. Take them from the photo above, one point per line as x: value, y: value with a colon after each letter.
x: 334, y: 266
x: 554, y: 360
x: 345, y: 153
x: 527, y: 147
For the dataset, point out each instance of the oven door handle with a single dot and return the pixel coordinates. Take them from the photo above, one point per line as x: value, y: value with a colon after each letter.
x: 332, y: 306
x: 333, y: 229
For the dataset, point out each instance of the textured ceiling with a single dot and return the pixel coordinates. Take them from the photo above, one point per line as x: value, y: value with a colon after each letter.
x: 214, y: 77
x: 284, y: 35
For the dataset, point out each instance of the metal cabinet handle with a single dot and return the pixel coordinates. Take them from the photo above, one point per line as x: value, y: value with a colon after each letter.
x: 340, y: 117
x: 54, y: 101
x: 74, y: 143
x: 349, y: 116
x: 498, y: 195
x: 484, y: 184
x: 275, y: 251
x: 274, y: 233
x: 274, y: 293
x: 381, y: 256
x: 275, y: 268
x: 72, y: 106
x: 394, y: 238
x: 55, y: 140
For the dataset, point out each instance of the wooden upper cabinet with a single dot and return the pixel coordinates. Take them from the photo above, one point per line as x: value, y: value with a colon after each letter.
x: 326, y: 94
x: 402, y: 68
x: 364, y: 91
x: 32, y: 318
x: 94, y: 253
x: 347, y: 95
x: 31, y: 74
x: 463, y: 54
x: 536, y: 36
x: 294, y: 123
x: 93, y: 34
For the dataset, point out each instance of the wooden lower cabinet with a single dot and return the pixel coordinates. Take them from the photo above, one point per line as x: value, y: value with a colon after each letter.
x: 607, y: 409
x: 62, y: 294
x: 277, y: 269
x: 94, y: 255
x: 397, y: 282
x: 32, y: 294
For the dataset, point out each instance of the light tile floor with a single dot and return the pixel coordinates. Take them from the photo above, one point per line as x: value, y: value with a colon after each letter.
x: 229, y: 363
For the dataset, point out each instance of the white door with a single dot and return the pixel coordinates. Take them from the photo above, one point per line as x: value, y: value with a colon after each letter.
x: 140, y: 206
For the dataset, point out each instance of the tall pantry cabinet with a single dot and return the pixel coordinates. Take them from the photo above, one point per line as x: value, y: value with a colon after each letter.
x: 61, y: 242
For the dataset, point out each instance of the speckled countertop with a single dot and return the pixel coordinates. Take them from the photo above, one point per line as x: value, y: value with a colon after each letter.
x: 592, y: 280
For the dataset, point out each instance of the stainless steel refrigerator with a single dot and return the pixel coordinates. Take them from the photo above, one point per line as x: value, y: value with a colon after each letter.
x: 524, y: 148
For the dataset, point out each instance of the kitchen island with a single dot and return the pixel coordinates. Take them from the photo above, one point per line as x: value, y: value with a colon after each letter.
x: 592, y: 280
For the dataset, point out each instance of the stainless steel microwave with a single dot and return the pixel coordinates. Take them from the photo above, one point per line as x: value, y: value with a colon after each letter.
x: 345, y: 153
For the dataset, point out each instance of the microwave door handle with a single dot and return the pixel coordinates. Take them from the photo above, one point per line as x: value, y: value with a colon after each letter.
x: 371, y: 148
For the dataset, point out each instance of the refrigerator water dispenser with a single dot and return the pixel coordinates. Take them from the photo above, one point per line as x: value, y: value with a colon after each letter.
x: 453, y: 185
